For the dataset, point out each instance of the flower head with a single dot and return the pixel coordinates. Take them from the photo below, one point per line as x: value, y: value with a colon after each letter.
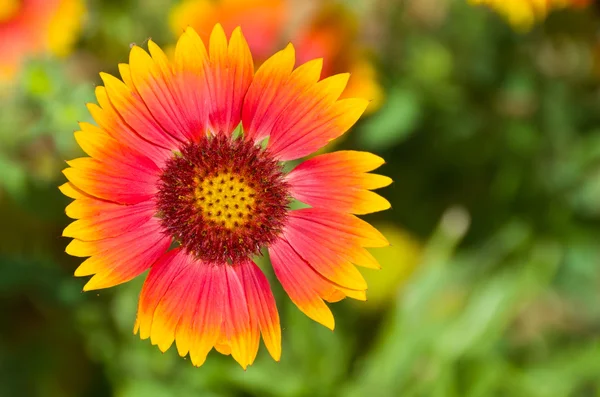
x: 31, y: 27
x: 181, y: 180
x: 523, y: 14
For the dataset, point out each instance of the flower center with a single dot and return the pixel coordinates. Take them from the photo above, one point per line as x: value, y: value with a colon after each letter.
x: 223, y: 199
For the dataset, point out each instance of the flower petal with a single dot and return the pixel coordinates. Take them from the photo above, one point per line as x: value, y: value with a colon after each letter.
x: 115, y: 172
x: 325, y: 261
x: 171, y: 295
x: 343, y: 234
x: 359, y: 256
x: 120, y: 259
x: 204, y: 326
x: 102, y: 147
x: 125, y: 184
x: 261, y: 306
x: 98, y: 219
x: 337, y: 227
x: 127, y: 102
x: 237, y: 331
x: 152, y: 78
x: 269, y: 87
x: 190, y: 80
x: 335, y: 181
x: 231, y: 70
x: 178, y: 291
x: 71, y: 191
x: 199, y: 306
x: 305, y: 287
x: 167, y: 271
x: 314, y: 128
x: 216, y: 82
x: 346, y: 162
x: 111, y: 122
x: 299, y: 114
x: 262, y: 20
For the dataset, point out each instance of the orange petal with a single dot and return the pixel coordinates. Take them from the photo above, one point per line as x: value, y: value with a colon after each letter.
x: 176, y: 302
x: 98, y: 219
x: 182, y: 301
x: 262, y: 20
x: 71, y: 191
x: 343, y: 234
x: 313, y: 182
x: 126, y: 184
x: 305, y: 287
x: 316, y: 128
x: 299, y: 114
x: 152, y: 77
x: 133, y: 110
x: 264, y: 91
x: 338, y: 226
x: 261, y: 306
x: 201, y: 305
x: 237, y: 329
x: 325, y: 261
x: 230, y: 76
x: 214, y: 83
x: 102, y: 147
x: 111, y: 122
x: 160, y: 278
x: 119, y: 259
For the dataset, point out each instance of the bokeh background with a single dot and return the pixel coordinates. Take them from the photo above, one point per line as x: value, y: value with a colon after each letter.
x: 489, y: 119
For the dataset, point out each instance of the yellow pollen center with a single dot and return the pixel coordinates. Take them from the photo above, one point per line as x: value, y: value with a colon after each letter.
x: 225, y: 199
x: 8, y: 9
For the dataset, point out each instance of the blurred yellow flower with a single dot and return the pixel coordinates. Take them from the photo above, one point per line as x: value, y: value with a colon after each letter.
x: 330, y: 32
x: 32, y: 27
x: 523, y: 14
x: 398, y: 262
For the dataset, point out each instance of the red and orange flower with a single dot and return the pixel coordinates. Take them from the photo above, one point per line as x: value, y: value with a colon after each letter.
x: 185, y: 178
x: 31, y: 27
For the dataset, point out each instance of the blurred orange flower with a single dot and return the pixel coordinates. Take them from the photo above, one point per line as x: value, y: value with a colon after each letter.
x: 31, y: 27
x: 330, y: 32
x: 523, y: 14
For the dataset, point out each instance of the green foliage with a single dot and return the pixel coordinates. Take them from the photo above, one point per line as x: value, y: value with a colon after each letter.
x: 493, y: 140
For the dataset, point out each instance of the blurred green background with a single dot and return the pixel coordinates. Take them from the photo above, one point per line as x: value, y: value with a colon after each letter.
x: 491, y: 287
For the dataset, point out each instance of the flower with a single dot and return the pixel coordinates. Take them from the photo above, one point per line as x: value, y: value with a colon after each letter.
x: 32, y: 27
x: 523, y: 14
x: 330, y: 32
x: 182, y: 181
